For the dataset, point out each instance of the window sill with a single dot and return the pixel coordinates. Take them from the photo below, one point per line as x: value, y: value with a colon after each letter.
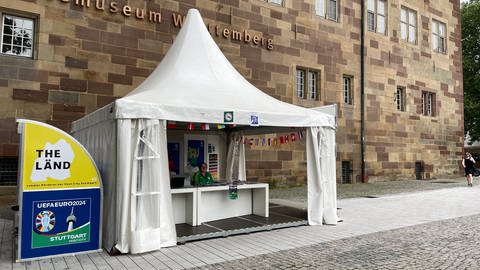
x: 440, y: 53
x: 326, y: 19
x: 410, y: 45
x: 377, y: 33
x: 19, y: 57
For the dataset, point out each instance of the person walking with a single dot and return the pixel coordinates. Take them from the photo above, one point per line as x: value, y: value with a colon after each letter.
x: 468, y: 163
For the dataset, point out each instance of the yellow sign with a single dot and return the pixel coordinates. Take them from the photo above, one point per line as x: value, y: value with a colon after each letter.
x: 52, y: 159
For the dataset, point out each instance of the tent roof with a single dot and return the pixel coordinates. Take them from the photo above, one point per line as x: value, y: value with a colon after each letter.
x: 196, y: 83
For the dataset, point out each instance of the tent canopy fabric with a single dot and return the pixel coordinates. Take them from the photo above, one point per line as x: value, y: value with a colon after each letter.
x: 196, y: 83
x: 193, y: 83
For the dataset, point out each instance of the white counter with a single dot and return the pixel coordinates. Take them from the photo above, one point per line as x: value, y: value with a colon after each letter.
x: 195, y: 205
x: 214, y: 204
x: 184, y: 204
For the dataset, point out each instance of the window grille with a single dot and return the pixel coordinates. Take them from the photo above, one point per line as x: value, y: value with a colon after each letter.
x: 346, y: 172
x: 438, y: 36
x: 376, y: 16
x: 408, y: 25
x: 312, y: 84
x: 307, y: 83
x: 8, y: 171
x: 347, y: 90
x: 17, y: 35
x: 400, y: 99
x: 428, y: 104
x: 300, y: 83
x: 327, y: 9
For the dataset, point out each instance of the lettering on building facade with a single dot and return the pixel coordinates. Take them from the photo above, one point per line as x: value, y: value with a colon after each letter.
x: 231, y: 34
x: 116, y: 7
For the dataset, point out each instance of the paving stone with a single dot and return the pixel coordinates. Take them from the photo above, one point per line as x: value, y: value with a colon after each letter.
x: 446, y: 244
x: 433, y: 229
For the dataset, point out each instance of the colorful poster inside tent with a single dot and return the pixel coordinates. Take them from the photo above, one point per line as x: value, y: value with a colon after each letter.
x: 60, y: 194
x: 195, y: 152
x: 174, y: 157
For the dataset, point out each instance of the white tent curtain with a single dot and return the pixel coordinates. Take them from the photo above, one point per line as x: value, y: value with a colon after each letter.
x: 124, y: 160
x: 328, y: 165
x: 242, y: 171
x: 321, y: 176
x: 100, y: 141
x: 236, y: 169
x: 145, y: 208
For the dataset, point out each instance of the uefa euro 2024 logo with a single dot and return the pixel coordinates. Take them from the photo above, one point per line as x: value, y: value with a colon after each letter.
x: 45, y: 221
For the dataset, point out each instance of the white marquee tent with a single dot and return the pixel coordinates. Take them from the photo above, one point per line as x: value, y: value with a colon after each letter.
x: 193, y: 83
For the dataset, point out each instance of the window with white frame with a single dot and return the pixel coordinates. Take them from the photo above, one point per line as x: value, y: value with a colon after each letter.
x: 438, y: 36
x: 17, y: 35
x: 376, y: 16
x: 278, y: 2
x: 307, y: 83
x: 408, y: 25
x: 347, y: 90
x: 300, y: 83
x: 327, y: 9
x: 400, y: 99
x: 312, y: 84
x: 428, y: 103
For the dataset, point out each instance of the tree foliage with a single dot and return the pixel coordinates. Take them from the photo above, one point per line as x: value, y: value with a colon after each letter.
x: 471, y: 67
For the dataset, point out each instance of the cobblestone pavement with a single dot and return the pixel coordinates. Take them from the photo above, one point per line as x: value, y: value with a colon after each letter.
x: 425, y: 229
x: 344, y: 191
x: 446, y: 244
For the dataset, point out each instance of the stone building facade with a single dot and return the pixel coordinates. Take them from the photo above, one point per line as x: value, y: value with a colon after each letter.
x: 84, y: 54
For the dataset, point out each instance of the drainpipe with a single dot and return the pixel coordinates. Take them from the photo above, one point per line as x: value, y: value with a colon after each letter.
x: 362, y: 89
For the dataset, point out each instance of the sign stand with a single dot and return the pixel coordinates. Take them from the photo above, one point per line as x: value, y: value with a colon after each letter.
x: 60, y: 194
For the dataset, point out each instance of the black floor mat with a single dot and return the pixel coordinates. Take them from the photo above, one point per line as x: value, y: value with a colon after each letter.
x: 234, y: 223
x: 273, y: 218
x: 279, y: 217
x: 185, y: 229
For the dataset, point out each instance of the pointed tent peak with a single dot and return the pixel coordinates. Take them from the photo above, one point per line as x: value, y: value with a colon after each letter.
x: 194, y: 14
x: 193, y: 56
x: 193, y: 11
x: 195, y: 82
x: 193, y: 27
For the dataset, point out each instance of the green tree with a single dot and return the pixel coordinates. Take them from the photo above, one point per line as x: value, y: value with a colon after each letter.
x: 471, y: 67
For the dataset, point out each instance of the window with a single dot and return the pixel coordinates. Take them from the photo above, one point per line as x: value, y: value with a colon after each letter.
x: 17, y: 35
x: 278, y: 2
x: 8, y: 171
x: 400, y: 99
x: 346, y: 171
x: 307, y: 80
x: 347, y: 90
x: 376, y: 16
x: 312, y: 85
x: 408, y: 25
x: 300, y: 83
x: 428, y: 103
x: 438, y: 37
x: 327, y: 9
